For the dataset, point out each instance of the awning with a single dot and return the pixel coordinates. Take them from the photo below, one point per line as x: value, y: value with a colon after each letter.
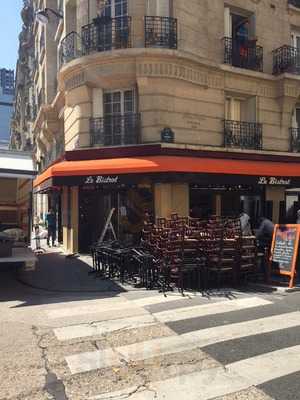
x: 174, y: 164
x: 16, y: 165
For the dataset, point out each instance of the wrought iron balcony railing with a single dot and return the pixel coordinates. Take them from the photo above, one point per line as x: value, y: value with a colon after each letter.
x: 106, y: 33
x: 295, y: 3
x: 115, y: 130
x: 247, y: 55
x: 295, y: 140
x: 243, y: 135
x: 161, y: 32
x: 286, y: 59
x: 70, y: 48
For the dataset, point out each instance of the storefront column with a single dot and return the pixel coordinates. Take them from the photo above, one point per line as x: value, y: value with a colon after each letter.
x: 70, y: 210
x: 74, y: 220
x: 64, y: 210
x: 276, y: 195
x: 171, y: 198
x: 218, y: 205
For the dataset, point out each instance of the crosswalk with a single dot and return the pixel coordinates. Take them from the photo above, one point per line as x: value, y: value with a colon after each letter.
x: 251, y: 339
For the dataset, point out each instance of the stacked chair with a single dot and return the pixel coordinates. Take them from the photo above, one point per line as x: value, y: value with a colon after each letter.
x: 183, y: 253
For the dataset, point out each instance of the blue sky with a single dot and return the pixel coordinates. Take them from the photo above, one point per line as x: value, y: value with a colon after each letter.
x: 10, y: 28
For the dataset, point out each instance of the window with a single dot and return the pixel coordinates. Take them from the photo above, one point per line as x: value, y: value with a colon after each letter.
x: 120, y: 122
x: 296, y: 117
x: 118, y: 103
x: 239, y: 24
x: 159, y: 8
x: 240, y: 108
x: 115, y: 9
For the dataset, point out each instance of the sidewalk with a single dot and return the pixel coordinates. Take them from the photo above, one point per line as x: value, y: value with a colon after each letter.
x: 56, y: 272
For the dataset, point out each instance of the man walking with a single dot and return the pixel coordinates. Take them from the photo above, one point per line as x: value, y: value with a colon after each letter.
x: 51, y: 227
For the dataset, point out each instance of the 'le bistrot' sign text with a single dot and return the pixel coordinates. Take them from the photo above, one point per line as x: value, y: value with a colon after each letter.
x: 101, y: 180
x: 272, y: 180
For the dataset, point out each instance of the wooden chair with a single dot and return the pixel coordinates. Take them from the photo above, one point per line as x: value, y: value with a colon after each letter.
x: 247, y: 263
x: 221, y: 255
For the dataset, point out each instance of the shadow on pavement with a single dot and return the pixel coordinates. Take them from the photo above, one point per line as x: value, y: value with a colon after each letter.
x: 55, y: 279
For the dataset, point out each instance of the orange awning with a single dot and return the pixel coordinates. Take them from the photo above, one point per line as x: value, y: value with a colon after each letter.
x: 175, y: 164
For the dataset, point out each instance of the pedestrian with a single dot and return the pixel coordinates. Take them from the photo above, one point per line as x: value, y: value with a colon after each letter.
x: 245, y: 224
x: 264, y: 234
x: 51, y: 227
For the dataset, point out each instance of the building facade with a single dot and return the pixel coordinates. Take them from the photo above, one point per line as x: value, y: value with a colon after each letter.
x: 165, y: 106
x: 7, y: 86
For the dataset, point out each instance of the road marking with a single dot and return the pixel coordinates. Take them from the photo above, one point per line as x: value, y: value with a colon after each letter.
x: 114, y: 304
x: 188, y: 341
x: 92, y: 360
x: 86, y: 330
x: 210, y: 309
x: 217, y: 382
x: 104, y: 327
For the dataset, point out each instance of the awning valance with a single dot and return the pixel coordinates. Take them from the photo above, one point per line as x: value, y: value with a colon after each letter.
x: 164, y: 164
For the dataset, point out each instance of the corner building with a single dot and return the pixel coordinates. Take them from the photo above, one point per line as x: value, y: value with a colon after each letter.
x: 172, y: 106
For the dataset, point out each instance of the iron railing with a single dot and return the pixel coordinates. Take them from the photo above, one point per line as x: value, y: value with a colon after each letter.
x: 106, y: 33
x: 243, y: 135
x: 295, y: 3
x: 295, y: 140
x: 161, y: 32
x: 286, y: 59
x: 70, y: 48
x: 115, y: 130
x: 248, y: 56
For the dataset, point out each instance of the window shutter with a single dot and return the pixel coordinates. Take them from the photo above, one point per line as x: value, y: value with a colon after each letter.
x: 151, y: 7
x: 97, y: 103
x: 227, y: 23
x: 251, y: 109
x: 252, y: 26
x: 159, y: 8
x: 163, y: 8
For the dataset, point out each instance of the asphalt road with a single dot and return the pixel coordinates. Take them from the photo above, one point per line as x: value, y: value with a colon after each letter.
x: 136, y: 344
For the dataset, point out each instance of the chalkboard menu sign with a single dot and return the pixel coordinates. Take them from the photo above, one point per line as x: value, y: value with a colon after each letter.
x: 284, y: 250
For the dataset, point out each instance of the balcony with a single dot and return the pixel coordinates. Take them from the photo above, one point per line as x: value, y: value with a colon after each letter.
x: 161, y: 32
x: 295, y: 140
x: 106, y: 33
x: 248, y: 57
x: 286, y: 59
x: 295, y: 3
x: 70, y: 48
x: 115, y: 130
x: 243, y: 135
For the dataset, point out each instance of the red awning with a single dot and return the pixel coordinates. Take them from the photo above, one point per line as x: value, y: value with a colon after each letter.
x: 155, y: 164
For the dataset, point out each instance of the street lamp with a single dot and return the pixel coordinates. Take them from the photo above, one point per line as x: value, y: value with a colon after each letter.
x: 43, y: 15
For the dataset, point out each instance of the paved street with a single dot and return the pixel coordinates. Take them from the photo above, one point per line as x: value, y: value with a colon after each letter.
x: 137, y: 344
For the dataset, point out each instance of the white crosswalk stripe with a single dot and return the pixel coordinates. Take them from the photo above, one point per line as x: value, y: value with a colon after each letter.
x: 114, y: 304
x: 215, y: 382
x: 85, y: 330
x: 207, y: 384
x: 188, y: 341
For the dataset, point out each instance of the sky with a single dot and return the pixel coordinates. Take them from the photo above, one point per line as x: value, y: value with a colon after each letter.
x: 10, y: 28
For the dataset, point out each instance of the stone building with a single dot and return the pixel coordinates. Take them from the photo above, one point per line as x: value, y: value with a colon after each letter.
x: 6, y: 104
x: 166, y: 105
